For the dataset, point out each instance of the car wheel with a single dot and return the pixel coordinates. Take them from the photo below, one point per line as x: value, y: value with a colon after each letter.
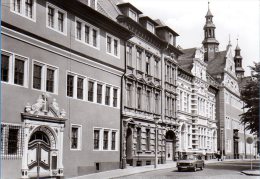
x: 179, y: 169
x: 201, y: 168
x: 195, y: 168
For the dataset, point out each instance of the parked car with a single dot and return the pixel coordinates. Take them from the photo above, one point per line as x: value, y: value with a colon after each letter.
x: 190, y: 162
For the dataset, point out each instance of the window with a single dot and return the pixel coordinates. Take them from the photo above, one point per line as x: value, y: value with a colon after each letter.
x: 96, y: 139
x: 107, y: 98
x: 129, y: 95
x: 76, y: 137
x: 28, y: 8
x: 99, y: 93
x: 148, y: 93
x: 168, y: 73
x: 56, y: 19
x: 105, y: 140
x: 50, y: 80
x: 70, y: 82
x: 90, y: 91
x: 129, y: 55
x: 115, y: 97
x: 78, y: 30
x: 60, y: 21
x: 112, y: 45
x: 75, y: 86
x: 25, y: 8
x: 181, y: 100
x: 50, y: 17
x: 156, y: 103
x: 156, y: 69
x: 132, y: 15
x: 139, y: 60
x: 44, y: 77
x: 113, y: 140
x: 14, y: 69
x: 147, y: 67
x: 5, y: 68
x: 86, y: 33
x: 139, y: 98
x: 138, y: 139
x: 148, y: 139
x: 11, y: 141
x: 80, y: 84
x: 94, y: 37
x: 115, y: 47
x: 150, y: 27
x: 109, y: 44
x: 37, y: 76
x: 17, y: 5
x: 19, y: 72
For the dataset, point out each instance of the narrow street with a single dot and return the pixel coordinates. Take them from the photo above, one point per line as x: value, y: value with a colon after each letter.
x: 225, y: 170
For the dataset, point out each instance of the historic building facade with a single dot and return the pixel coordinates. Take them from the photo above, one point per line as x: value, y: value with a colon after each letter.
x: 149, y: 89
x: 61, y: 88
x: 227, y: 70
x: 197, y: 92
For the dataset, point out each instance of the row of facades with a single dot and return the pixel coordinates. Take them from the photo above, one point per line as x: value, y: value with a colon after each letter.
x: 86, y: 83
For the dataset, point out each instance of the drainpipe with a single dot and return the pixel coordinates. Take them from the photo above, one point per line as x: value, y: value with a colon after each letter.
x: 122, y: 162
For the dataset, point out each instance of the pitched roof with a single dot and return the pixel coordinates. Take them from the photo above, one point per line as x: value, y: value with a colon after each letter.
x: 186, y: 60
x: 108, y: 8
x: 217, y: 65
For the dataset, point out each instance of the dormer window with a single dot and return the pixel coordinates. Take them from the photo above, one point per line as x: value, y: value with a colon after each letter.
x: 92, y: 3
x: 170, y: 38
x: 132, y: 15
x: 150, y: 27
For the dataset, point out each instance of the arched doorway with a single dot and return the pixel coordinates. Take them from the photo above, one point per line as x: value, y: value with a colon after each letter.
x: 39, y: 160
x: 129, y: 144
x: 170, y: 145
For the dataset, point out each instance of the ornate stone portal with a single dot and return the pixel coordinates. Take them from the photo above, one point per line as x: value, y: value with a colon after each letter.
x: 43, y: 125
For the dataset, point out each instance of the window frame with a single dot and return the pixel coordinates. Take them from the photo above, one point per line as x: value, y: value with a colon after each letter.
x: 45, y: 67
x: 113, y: 39
x: 130, y: 12
x: 101, y: 131
x: 151, y: 25
x: 83, y: 34
x: 75, y: 85
x: 22, y: 9
x: 79, y: 147
x: 10, y: 64
x: 56, y: 19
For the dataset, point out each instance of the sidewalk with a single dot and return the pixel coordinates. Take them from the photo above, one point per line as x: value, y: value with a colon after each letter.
x: 131, y: 171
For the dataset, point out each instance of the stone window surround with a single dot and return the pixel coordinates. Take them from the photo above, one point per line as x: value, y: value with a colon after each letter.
x: 46, y: 66
x: 12, y: 57
x: 56, y: 10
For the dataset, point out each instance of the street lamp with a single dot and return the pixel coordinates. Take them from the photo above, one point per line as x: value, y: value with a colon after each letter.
x: 156, y: 119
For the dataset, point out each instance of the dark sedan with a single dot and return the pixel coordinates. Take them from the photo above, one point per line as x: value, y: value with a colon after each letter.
x: 190, y: 162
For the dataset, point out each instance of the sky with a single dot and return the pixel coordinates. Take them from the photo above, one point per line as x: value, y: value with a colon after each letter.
x: 239, y: 19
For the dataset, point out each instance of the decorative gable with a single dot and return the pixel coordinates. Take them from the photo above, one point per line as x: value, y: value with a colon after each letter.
x: 45, y: 107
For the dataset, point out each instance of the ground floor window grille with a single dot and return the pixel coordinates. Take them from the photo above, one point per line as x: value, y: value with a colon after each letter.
x: 11, y: 141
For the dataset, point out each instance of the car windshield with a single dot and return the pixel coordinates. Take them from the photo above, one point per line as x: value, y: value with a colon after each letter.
x: 188, y: 157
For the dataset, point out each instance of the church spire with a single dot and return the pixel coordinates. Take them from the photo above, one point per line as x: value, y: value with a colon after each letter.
x: 210, y: 43
x: 238, y: 62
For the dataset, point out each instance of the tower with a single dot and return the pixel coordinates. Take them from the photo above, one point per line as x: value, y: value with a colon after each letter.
x: 210, y: 44
x: 238, y: 62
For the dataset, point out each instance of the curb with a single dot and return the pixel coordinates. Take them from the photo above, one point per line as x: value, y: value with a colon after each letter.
x: 250, y: 174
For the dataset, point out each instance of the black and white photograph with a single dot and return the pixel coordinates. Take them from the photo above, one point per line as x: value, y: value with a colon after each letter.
x: 130, y: 89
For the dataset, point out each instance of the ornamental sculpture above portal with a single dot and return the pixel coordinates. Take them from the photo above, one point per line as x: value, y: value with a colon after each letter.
x: 44, y: 107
